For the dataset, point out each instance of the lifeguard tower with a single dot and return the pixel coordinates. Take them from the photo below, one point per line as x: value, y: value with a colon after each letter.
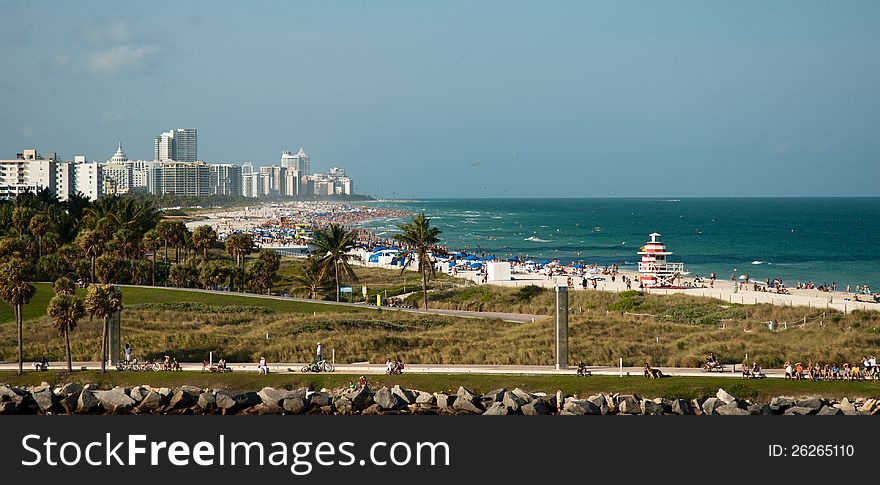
x: 654, y: 270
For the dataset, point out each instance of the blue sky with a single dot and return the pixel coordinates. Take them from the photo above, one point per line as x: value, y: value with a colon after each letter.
x: 463, y: 98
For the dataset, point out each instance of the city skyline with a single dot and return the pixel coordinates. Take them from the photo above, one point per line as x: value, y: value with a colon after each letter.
x: 512, y: 99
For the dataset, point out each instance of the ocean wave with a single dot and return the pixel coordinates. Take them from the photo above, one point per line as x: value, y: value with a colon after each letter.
x: 535, y: 239
x: 756, y: 262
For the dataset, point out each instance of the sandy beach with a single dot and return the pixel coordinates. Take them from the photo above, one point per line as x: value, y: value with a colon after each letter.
x: 269, y: 217
x: 723, y: 290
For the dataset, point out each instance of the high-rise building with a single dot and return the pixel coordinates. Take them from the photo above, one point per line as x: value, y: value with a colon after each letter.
x: 250, y: 184
x: 87, y: 178
x: 292, y: 183
x: 180, y: 145
x: 30, y: 172
x: 276, y: 179
x: 182, y: 178
x: 226, y: 179
x: 299, y: 161
x: 186, y: 145
x: 117, y: 174
x: 334, y: 182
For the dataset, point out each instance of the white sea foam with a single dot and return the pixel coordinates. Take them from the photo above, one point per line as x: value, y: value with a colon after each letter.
x: 758, y: 262
x: 535, y: 239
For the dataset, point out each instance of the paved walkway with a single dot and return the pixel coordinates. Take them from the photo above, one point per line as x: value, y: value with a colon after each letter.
x: 373, y: 369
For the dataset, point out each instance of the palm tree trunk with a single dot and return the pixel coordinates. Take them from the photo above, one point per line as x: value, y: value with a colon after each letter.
x: 154, y: 268
x: 67, y: 343
x: 425, y: 286
x: 206, y: 253
x: 336, y: 269
x: 20, y: 340
x: 93, y: 269
x: 104, y: 347
x: 40, y: 247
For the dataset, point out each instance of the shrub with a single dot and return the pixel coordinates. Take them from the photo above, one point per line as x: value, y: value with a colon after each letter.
x: 526, y: 293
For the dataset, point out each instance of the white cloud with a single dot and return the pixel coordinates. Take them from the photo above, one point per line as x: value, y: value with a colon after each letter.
x: 115, y: 32
x: 119, y: 59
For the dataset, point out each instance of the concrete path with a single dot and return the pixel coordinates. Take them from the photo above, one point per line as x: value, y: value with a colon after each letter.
x: 373, y: 369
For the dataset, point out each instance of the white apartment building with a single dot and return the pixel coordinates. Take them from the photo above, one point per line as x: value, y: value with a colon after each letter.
x: 87, y: 178
x: 30, y: 172
x: 182, y: 178
x: 334, y: 182
x: 298, y: 161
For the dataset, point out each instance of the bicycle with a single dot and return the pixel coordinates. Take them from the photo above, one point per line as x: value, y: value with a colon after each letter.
x: 319, y: 366
x: 714, y: 367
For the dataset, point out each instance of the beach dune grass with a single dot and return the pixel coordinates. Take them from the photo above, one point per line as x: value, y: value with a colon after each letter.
x: 134, y: 295
x: 673, y: 330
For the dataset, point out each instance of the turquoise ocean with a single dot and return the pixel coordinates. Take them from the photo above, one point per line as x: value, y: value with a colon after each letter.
x: 823, y: 240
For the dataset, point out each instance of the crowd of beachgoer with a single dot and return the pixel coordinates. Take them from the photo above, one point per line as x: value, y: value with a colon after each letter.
x: 863, y: 370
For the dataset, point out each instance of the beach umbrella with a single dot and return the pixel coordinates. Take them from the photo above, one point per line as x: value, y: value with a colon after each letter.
x: 476, y: 265
x: 491, y: 258
x: 512, y: 260
x: 530, y: 262
x: 471, y: 258
x: 546, y: 262
x: 577, y: 266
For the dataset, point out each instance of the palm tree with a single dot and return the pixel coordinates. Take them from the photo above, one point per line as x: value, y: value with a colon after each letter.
x: 17, y: 291
x: 309, y: 277
x: 418, y: 238
x: 103, y: 301
x: 63, y: 286
x: 66, y: 310
x: 165, y: 232
x: 152, y: 242
x: 127, y: 242
x: 40, y: 225
x: 332, y: 245
x: 214, y: 273
x: 239, y: 245
x: 179, y: 236
x: 21, y: 217
x: 89, y: 242
x: 271, y: 264
x: 204, y: 238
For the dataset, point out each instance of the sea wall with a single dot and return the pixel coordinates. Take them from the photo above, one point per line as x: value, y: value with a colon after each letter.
x: 75, y: 398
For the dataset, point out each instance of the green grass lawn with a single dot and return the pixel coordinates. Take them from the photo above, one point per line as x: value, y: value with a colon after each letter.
x: 137, y: 295
x: 673, y: 387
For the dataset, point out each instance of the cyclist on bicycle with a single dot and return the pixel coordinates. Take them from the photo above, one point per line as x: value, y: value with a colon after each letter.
x: 712, y: 361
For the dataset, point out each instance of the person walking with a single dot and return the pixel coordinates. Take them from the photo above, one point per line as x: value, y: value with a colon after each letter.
x: 319, y: 353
